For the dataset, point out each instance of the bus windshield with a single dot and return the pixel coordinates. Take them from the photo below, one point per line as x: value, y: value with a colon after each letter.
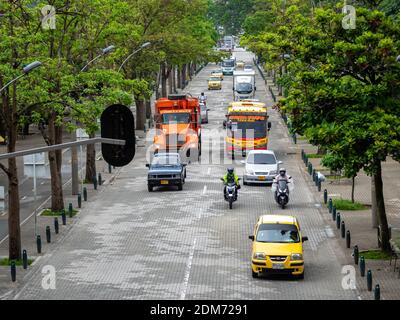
x: 248, y: 130
x: 228, y: 63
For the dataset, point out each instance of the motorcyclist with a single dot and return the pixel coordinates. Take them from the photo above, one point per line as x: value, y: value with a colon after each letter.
x: 281, y: 176
x: 202, y: 98
x: 231, y: 176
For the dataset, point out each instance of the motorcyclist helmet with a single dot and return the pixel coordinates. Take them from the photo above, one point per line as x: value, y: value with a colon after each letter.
x: 230, y: 170
x: 282, y: 172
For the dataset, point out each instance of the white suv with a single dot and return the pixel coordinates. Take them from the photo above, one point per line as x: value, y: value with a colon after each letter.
x: 261, y: 166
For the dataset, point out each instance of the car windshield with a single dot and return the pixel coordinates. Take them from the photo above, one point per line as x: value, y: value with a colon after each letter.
x: 176, y: 118
x: 278, y: 233
x: 244, y: 87
x: 214, y: 79
x: 261, y: 158
x: 165, y: 161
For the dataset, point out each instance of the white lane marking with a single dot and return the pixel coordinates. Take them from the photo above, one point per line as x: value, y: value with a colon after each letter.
x: 318, y: 205
x: 4, y: 213
x: 24, y: 197
x: 187, y: 271
x: 209, y: 171
x: 204, y: 189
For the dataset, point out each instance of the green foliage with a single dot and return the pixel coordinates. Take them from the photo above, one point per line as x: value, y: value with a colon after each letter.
x: 375, y: 255
x: 347, y: 205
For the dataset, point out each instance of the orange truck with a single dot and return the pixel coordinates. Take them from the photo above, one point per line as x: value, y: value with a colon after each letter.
x: 178, y: 124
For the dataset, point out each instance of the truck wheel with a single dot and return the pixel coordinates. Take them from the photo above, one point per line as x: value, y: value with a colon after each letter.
x: 150, y: 188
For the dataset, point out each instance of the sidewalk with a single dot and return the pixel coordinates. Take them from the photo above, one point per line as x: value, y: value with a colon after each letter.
x: 359, y: 222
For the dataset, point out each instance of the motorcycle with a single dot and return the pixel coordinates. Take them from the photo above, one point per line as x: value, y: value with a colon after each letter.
x: 231, y: 193
x: 282, y: 193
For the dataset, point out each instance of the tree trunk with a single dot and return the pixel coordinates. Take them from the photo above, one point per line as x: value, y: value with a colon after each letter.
x: 170, y: 75
x: 174, y: 79
x: 90, y: 161
x: 148, y: 108
x: 184, y: 73
x: 57, y: 198
x: 14, y: 228
x: 374, y: 210
x: 163, y: 81
x: 140, y: 114
x: 381, y: 211
x: 179, y: 77
x: 352, y: 188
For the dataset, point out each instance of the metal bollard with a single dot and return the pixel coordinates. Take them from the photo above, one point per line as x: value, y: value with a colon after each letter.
x: 79, y: 200
x: 330, y: 204
x: 294, y: 138
x: 63, y: 218
x: 313, y: 175
x: 70, y: 209
x: 333, y: 213
x: 362, y: 266
x: 377, y: 292
x: 48, y: 234
x: 348, y: 239
x: 302, y: 154
x: 100, y: 180
x: 338, y: 218
x: 325, y: 196
x: 39, y: 244
x: 24, y: 259
x: 13, y: 271
x: 95, y: 183
x: 56, y: 225
x: 319, y: 185
x: 306, y: 160
x: 343, y: 229
x: 355, y: 254
x: 84, y: 194
x: 310, y: 168
x: 369, y: 280
x: 109, y: 168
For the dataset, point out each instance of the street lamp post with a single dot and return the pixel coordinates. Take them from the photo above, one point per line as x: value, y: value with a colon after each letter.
x: 144, y: 45
x: 74, y: 150
x: 27, y: 69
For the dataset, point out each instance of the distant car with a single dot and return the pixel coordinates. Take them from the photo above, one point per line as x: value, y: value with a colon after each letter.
x: 248, y: 67
x: 240, y: 64
x: 261, y: 167
x: 217, y: 73
x: 277, y: 246
x: 204, y: 113
x: 166, y: 169
x: 214, y: 83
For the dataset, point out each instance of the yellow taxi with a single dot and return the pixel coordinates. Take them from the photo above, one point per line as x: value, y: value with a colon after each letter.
x: 277, y: 246
x: 214, y: 83
x: 217, y: 73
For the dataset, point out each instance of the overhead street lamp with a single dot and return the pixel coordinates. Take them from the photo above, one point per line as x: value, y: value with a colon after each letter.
x: 104, y: 52
x: 25, y: 70
x: 144, y: 45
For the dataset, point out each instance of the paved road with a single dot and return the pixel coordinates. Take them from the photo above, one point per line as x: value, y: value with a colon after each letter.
x: 132, y: 244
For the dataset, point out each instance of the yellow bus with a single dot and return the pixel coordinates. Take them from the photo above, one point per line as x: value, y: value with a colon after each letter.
x: 247, y: 127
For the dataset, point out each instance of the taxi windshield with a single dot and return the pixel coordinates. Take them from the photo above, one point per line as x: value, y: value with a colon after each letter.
x: 278, y: 233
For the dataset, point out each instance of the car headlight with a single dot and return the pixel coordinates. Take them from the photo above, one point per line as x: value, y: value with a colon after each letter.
x: 259, y: 256
x: 296, y: 256
x: 250, y: 171
x: 274, y: 172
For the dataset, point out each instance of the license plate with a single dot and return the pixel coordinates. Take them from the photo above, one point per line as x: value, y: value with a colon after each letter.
x: 278, y: 266
x: 262, y: 178
x: 164, y: 182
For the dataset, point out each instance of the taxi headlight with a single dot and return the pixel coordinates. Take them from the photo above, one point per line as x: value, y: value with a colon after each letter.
x: 250, y: 172
x: 296, y: 256
x: 259, y: 256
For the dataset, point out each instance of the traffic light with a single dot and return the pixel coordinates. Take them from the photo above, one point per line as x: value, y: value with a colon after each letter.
x: 117, y: 122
